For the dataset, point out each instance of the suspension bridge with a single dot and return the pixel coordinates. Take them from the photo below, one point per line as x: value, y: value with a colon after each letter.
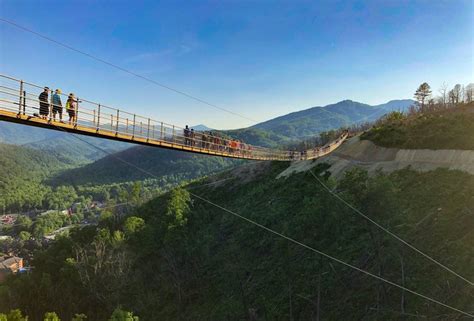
x: 20, y: 102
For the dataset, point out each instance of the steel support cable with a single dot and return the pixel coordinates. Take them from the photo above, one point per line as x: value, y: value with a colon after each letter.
x: 388, y: 231
x: 151, y: 80
x: 284, y: 236
x: 125, y: 70
x: 331, y: 257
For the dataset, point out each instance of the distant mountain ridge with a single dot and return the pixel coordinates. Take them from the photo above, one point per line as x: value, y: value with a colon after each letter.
x: 313, y: 120
x: 201, y: 128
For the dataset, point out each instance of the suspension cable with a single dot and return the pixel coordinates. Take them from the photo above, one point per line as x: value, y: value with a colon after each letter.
x: 180, y: 92
x: 388, y: 231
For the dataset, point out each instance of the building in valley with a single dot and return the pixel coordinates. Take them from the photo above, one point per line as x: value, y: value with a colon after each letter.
x: 9, y: 265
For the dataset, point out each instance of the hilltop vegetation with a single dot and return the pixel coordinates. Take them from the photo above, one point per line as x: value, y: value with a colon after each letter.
x: 438, y: 129
x: 180, y: 258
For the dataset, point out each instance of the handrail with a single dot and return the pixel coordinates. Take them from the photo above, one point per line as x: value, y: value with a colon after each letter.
x: 90, y: 117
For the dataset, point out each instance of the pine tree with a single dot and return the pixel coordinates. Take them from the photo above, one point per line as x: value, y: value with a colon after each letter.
x: 423, y: 91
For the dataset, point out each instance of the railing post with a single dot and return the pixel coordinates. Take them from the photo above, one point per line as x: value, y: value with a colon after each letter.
x: 112, y: 121
x: 153, y: 132
x: 126, y: 126
x: 172, y: 138
x: 161, y: 132
x: 51, y: 106
x: 93, y: 121
x: 133, y: 130
x: 24, y: 102
x: 117, y: 123
x: 148, y: 130
x: 77, y: 112
x: 98, y: 118
x: 21, y: 92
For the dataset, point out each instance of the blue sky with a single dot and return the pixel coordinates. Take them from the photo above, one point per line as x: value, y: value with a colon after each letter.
x: 258, y: 58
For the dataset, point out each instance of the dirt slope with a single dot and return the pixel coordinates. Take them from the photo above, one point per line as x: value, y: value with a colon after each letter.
x: 365, y: 154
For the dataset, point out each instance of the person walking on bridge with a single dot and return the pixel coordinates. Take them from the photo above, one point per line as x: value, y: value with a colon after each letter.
x: 186, y: 135
x: 57, y: 105
x: 43, y: 103
x: 71, y: 106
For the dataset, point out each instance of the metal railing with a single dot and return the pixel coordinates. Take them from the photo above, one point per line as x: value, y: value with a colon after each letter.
x: 22, y: 98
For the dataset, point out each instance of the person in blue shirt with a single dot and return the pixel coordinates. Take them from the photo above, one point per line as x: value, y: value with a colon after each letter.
x: 57, y: 105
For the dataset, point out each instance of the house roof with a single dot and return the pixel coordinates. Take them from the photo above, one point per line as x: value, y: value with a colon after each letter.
x: 6, y: 262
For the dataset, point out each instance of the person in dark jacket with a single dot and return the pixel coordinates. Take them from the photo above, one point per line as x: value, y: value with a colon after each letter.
x: 43, y: 103
x: 186, y: 135
x: 57, y: 105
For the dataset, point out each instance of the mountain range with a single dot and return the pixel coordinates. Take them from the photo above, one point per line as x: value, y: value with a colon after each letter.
x: 312, y: 121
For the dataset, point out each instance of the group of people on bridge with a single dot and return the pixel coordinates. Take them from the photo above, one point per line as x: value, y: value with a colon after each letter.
x: 50, y: 106
x: 212, y: 141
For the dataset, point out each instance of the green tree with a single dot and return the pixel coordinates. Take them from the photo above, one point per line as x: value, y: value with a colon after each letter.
x: 133, y: 224
x: 51, y: 316
x: 16, y: 315
x: 178, y: 207
x: 3, y: 317
x: 79, y: 317
x: 121, y: 315
x: 135, y: 193
x: 423, y: 91
x: 24, y: 235
x: 23, y: 223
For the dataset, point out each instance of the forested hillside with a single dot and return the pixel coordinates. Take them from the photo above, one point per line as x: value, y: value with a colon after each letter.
x: 22, y: 172
x: 78, y: 152
x: 33, y: 179
x: 181, y: 258
x: 174, y: 165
